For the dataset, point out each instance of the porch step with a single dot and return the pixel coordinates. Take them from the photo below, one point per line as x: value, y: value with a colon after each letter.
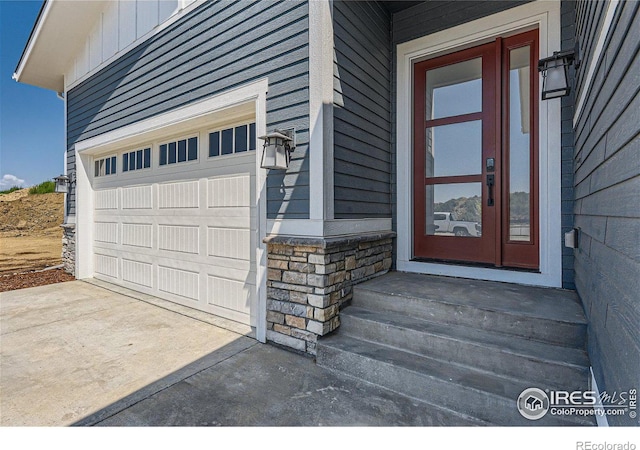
x: 467, y: 346
x: 547, y: 315
x: 483, y: 395
x: 538, y: 363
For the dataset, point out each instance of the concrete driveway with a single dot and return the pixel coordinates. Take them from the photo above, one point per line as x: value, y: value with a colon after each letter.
x: 94, y: 354
x: 72, y: 349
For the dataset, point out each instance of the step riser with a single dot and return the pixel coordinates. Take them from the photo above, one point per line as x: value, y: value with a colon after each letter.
x: 487, y: 407
x: 537, y: 373
x: 554, y: 332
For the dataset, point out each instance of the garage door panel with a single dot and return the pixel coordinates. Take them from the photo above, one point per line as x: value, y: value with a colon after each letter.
x: 137, y: 272
x: 106, y: 265
x: 179, y: 238
x: 106, y: 199
x: 229, y: 192
x: 137, y: 234
x: 137, y: 197
x: 179, y: 195
x: 229, y: 243
x: 229, y: 294
x: 106, y: 232
x: 179, y: 282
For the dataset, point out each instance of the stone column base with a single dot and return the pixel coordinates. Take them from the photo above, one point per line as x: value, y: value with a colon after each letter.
x: 69, y: 247
x: 309, y: 280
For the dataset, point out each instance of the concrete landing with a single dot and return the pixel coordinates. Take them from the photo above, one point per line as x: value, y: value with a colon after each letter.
x: 536, y: 302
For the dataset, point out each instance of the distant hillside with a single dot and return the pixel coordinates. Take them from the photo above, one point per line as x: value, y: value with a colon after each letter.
x: 469, y: 208
x: 465, y: 208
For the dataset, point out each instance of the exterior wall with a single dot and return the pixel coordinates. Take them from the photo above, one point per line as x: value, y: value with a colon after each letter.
x: 362, y: 110
x: 607, y: 189
x: 310, y: 279
x: 218, y: 46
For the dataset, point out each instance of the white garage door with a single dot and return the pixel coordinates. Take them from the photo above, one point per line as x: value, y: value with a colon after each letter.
x: 181, y: 225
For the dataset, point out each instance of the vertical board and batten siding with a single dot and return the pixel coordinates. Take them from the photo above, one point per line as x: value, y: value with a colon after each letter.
x: 607, y: 191
x: 362, y: 110
x: 216, y: 47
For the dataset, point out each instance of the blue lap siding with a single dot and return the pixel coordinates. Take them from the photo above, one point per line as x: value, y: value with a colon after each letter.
x: 362, y: 110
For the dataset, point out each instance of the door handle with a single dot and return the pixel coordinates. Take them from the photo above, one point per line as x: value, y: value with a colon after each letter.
x: 490, y: 183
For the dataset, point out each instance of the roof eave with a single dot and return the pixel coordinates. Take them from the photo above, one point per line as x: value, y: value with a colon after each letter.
x: 57, y: 37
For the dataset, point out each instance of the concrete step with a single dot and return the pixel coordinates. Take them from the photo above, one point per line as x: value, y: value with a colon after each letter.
x: 547, y: 315
x: 472, y: 392
x: 540, y: 364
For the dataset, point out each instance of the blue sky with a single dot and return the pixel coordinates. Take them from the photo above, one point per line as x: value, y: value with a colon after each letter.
x: 31, y: 118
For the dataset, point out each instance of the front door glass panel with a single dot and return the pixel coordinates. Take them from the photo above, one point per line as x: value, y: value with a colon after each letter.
x: 454, y: 210
x: 454, y: 89
x: 454, y: 149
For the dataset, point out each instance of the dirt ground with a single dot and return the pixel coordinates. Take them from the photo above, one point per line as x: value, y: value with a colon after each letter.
x: 30, y: 237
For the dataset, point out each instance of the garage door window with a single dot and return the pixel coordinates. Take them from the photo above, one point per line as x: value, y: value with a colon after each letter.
x: 179, y: 151
x: 105, y: 166
x: 136, y: 160
x: 232, y: 140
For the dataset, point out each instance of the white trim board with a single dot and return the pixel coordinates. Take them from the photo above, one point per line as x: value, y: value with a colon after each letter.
x: 595, y: 60
x: 321, y: 110
x: 178, y: 119
x: 250, y: 97
x: 545, y: 16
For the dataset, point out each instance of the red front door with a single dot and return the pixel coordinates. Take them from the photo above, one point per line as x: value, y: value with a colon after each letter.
x: 475, y: 155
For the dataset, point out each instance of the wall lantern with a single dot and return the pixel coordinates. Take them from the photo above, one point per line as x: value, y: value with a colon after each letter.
x: 277, y: 149
x: 63, y: 183
x: 555, y: 74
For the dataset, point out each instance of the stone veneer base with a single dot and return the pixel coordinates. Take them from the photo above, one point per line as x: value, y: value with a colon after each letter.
x: 310, y: 279
x: 69, y: 248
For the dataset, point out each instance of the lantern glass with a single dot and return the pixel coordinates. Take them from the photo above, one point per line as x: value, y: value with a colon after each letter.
x: 269, y: 155
x: 275, y: 153
x: 555, y: 79
x: 62, y: 184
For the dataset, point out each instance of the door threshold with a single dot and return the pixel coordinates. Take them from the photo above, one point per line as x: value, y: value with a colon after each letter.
x: 474, y: 265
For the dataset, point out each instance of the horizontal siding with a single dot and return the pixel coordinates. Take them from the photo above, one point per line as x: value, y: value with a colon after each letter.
x: 362, y: 110
x: 607, y: 189
x: 432, y: 16
x: 221, y: 45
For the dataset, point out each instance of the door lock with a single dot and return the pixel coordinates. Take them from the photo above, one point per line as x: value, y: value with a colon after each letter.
x: 490, y: 183
x: 491, y: 164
